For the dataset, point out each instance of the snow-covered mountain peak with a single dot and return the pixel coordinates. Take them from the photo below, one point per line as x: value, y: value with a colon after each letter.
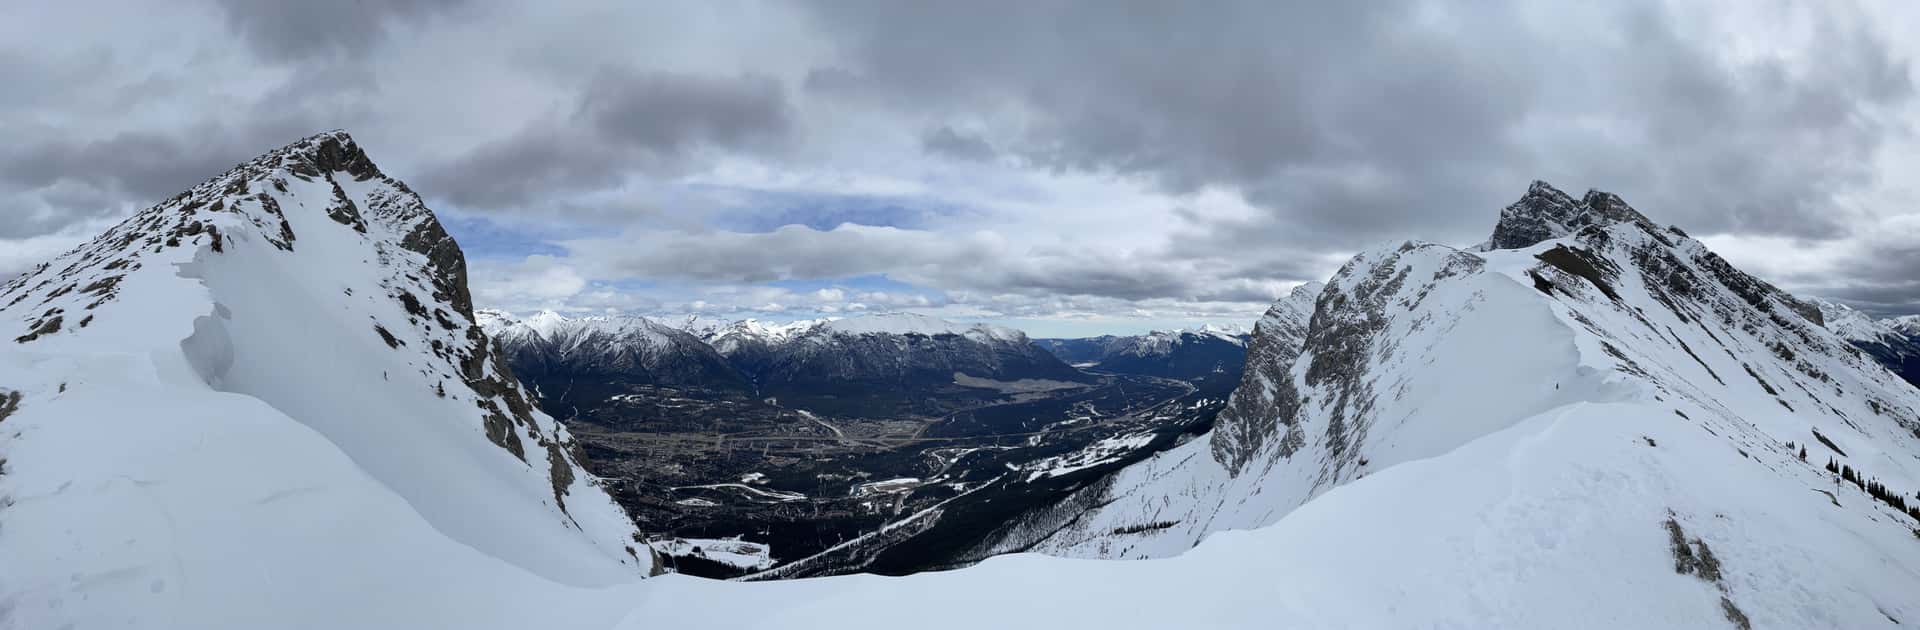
x: 1161, y: 342
x: 1415, y: 356
x: 1545, y: 212
x: 1885, y: 340
x: 593, y: 333
x: 547, y: 322
x: 765, y: 331
x: 493, y: 320
x: 1908, y: 325
x: 1233, y: 333
x: 625, y: 347
x: 917, y: 324
x: 334, y: 179
x: 292, y: 344
x: 1853, y: 325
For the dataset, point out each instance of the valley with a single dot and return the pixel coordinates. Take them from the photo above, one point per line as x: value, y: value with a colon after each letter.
x: 888, y: 442
x: 695, y: 463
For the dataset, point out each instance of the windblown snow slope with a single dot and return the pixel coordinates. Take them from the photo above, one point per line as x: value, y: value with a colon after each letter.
x: 266, y: 400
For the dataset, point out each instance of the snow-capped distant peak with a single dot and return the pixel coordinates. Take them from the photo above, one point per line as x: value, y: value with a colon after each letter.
x: 770, y: 331
x: 592, y: 333
x: 896, y: 324
x: 1908, y: 325
x: 492, y: 321
x: 1231, y: 330
x: 1851, y: 324
x: 917, y: 324
x: 547, y: 322
x: 1162, y: 341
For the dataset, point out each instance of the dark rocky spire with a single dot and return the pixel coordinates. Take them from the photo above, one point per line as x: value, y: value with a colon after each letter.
x: 1546, y: 213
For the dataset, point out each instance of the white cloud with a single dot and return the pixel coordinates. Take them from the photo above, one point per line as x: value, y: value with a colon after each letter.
x: 1080, y: 173
x: 542, y: 281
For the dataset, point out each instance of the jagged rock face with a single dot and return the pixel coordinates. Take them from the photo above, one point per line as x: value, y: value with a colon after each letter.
x: 1546, y: 213
x: 629, y: 349
x: 1414, y: 351
x: 308, y: 293
x: 1242, y: 428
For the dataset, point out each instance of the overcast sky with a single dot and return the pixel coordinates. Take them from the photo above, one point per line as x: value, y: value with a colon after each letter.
x: 1066, y: 167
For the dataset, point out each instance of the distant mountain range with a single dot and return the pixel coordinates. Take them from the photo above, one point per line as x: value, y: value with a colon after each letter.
x: 636, y: 350
x: 1894, y: 342
x: 1182, y: 354
x: 894, y: 355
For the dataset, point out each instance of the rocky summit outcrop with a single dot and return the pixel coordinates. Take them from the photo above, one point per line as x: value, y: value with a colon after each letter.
x: 1546, y: 213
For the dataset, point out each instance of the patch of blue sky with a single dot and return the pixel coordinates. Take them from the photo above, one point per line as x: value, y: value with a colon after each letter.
x: 482, y: 237
x: 766, y: 211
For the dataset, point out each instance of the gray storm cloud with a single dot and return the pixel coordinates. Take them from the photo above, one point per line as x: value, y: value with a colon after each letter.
x: 1329, y: 126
